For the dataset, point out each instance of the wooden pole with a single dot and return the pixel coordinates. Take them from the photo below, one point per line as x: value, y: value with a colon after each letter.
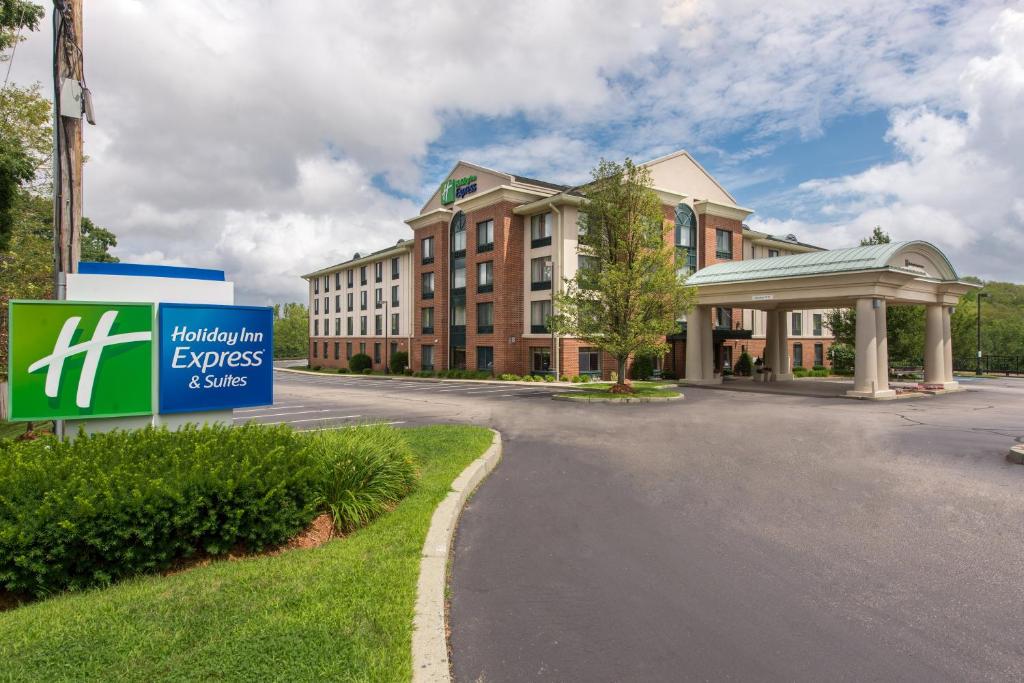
x: 67, y: 185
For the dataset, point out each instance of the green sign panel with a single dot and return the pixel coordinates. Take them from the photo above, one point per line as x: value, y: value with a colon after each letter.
x: 79, y: 360
x: 457, y: 188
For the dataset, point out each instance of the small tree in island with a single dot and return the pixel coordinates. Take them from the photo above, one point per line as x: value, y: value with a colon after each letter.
x: 626, y: 295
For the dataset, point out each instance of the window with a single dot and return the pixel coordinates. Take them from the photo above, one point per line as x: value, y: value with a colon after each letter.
x: 313, y: 345
x: 540, y: 230
x: 349, y: 275
x: 378, y: 271
x: 797, y: 323
x: 723, y: 244
x: 337, y: 280
x: 587, y: 270
x: 485, y: 318
x: 348, y: 301
x: 459, y: 273
x: 348, y: 326
x: 427, y: 320
x: 427, y: 249
x: 540, y: 311
x: 394, y: 349
x: 316, y: 306
x: 327, y: 283
x: 727, y: 357
x: 316, y: 290
x: 459, y: 233
x: 772, y: 253
x: 540, y: 359
x: 428, y: 285
x: 348, y: 350
x: 819, y: 354
x: 327, y: 305
x: 378, y: 324
x: 485, y: 358
x: 686, y: 239
x: 378, y: 297
x: 362, y: 347
x: 428, y: 358
x: 337, y: 350
x: 316, y: 328
x: 362, y: 275
x: 798, y: 355
x: 394, y: 268
x: 376, y: 352
x: 458, y: 314
x: 816, y: 324
x: 362, y: 325
x: 362, y: 300
x: 540, y: 273
x: 485, y: 236
x: 590, y: 363
x: 394, y: 295
x: 337, y: 303
x: 394, y: 323
x: 325, y: 350
x: 485, y: 276
x: 723, y: 318
x: 337, y: 327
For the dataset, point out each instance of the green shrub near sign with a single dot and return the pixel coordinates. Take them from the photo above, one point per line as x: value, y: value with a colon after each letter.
x: 102, y: 507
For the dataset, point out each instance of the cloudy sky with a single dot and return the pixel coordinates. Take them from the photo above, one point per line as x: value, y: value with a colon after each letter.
x: 273, y: 138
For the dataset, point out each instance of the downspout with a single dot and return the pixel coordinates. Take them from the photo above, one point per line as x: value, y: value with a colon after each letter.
x: 556, y: 282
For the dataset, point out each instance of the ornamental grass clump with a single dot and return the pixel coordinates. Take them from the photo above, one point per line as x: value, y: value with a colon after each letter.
x: 102, y: 507
x: 364, y: 472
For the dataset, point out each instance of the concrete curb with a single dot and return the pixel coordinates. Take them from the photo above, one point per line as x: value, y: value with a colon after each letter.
x: 406, y: 378
x: 579, y: 398
x: 429, y: 624
x: 1016, y: 455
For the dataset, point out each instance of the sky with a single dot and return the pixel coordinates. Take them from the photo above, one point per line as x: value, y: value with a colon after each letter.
x: 271, y: 138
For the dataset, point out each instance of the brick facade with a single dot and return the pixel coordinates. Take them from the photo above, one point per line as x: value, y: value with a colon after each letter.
x: 317, y: 357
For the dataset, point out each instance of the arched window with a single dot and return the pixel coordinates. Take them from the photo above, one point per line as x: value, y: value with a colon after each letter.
x: 458, y: 232
x: 686, y: 236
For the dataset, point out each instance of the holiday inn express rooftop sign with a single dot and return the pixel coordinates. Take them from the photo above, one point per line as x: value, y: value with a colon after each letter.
x: 457, y: 188
x: 97, y: 359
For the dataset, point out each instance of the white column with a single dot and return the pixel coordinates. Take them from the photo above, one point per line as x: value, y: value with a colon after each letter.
x: 708, y: 346
x: 934, y: 347
x: 783, y: 370
x: 882, y: 344
x: 865, y: 373
x: 694, y: 347
x: 947, y: 344
x: 771, y: 341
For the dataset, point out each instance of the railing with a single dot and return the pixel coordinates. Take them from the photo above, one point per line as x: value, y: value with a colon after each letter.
x: 996, y: 365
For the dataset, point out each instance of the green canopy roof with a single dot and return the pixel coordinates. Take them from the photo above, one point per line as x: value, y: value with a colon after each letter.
x: 871, y: 257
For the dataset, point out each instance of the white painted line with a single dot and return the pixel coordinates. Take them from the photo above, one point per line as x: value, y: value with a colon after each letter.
x: 272, y: 407
x: 313, y: 419
x: 300, y: 412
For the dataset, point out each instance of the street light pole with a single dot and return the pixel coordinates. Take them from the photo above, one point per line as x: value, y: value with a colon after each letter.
x: 977, y: 360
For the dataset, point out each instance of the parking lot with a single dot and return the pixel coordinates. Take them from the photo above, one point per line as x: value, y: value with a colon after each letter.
x: 730, y: 535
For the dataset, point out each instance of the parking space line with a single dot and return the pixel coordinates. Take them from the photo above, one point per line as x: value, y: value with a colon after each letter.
x: 301, y: 412
x: 314, y: 419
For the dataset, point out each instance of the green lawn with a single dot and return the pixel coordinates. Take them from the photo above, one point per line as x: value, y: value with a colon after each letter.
x: 11, y: 430
x: 342, y: 611
x: 653, y: 389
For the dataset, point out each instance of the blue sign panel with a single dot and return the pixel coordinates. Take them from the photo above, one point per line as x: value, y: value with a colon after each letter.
x: 215, y: 357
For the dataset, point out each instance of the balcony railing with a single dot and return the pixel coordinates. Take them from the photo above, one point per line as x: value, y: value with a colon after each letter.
x: 480, y: 248
x: 537, y: 286
x: 428, y: 295
x: 484, y: 329
x: 727, y: 255
x: 483, y: 289
x: 540, y: 242
x: 538, y: 329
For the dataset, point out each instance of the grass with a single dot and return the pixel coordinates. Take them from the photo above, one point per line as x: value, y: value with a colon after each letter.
x: 12, y: 430
x: 653, y: 389
x: 342, y: 611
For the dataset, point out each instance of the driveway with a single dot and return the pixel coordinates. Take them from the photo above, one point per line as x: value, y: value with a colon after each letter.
x: 732, y: 535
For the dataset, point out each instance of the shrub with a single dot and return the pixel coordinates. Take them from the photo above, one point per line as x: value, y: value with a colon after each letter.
x: 315, y: 368
x: 509, y: 377
x: 668, y: 374
x: 576, y: 379
x: 549, y: 378
x: 584, y: 378
x: 744, y: 365
x: 359, y: 362
x: 407, y: 372
x: 368, y: 371
x: 425, y: 373
x: 642, y: 368
x: 101, y: 507
x: 363, y: 472
x: 343, y: 371
x: 399, y: 362
x: 565, y: 378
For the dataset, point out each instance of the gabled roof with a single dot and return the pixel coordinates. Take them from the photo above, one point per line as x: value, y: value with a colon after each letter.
x: 872, y: 257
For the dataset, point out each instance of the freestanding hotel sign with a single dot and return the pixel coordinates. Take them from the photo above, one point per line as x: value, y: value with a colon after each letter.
x: 179, y: 353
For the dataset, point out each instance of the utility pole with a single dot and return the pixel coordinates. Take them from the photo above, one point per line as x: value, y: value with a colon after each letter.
x: 71, y: 100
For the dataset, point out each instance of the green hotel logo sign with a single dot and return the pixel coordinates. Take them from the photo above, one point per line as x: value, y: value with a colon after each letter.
x: 80, y: 360
x: 457, y: 188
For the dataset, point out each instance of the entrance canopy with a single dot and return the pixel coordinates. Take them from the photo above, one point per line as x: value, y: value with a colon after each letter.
x: 865, y: 278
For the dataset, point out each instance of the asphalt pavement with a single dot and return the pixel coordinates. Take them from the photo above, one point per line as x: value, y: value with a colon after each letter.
x: 738, y: 536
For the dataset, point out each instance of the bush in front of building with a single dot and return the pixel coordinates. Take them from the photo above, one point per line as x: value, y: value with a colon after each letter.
x: 97, y: 508
x: 744, y: 365
x: 408, y: 372
x: 399, y: 362
x: 549, y: 378
x: 343, y: 371
x: 642, y: 368
x: 359, y: 362
x: 424, y: 373
x: 367, y: 371
x: 565, y: 378
x: 509, y: 377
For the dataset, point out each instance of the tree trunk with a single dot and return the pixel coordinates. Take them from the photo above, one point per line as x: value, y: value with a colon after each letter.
x: 621, y: 365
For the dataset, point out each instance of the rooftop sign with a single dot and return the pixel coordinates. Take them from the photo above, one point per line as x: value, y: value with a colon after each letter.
x: 457, y: 188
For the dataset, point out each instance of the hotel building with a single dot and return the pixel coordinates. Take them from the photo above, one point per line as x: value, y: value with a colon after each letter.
x: 473, y: 286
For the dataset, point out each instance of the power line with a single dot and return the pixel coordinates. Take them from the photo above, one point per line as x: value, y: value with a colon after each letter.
x: 14, y: 48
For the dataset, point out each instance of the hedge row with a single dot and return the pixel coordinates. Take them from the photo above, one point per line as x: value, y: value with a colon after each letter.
x: 99, y: 508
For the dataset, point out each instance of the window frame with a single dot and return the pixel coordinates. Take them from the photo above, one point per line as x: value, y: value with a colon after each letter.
x: 481, y: 286
x: 541, y: 285
x: 488, y: 327
x: 427, y: 250
x: 424, y: 292
x: 542, y: 237
x: 424, y: 328
x: 720, y: 253
x: 487, y: 244
x: 542, y: 304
